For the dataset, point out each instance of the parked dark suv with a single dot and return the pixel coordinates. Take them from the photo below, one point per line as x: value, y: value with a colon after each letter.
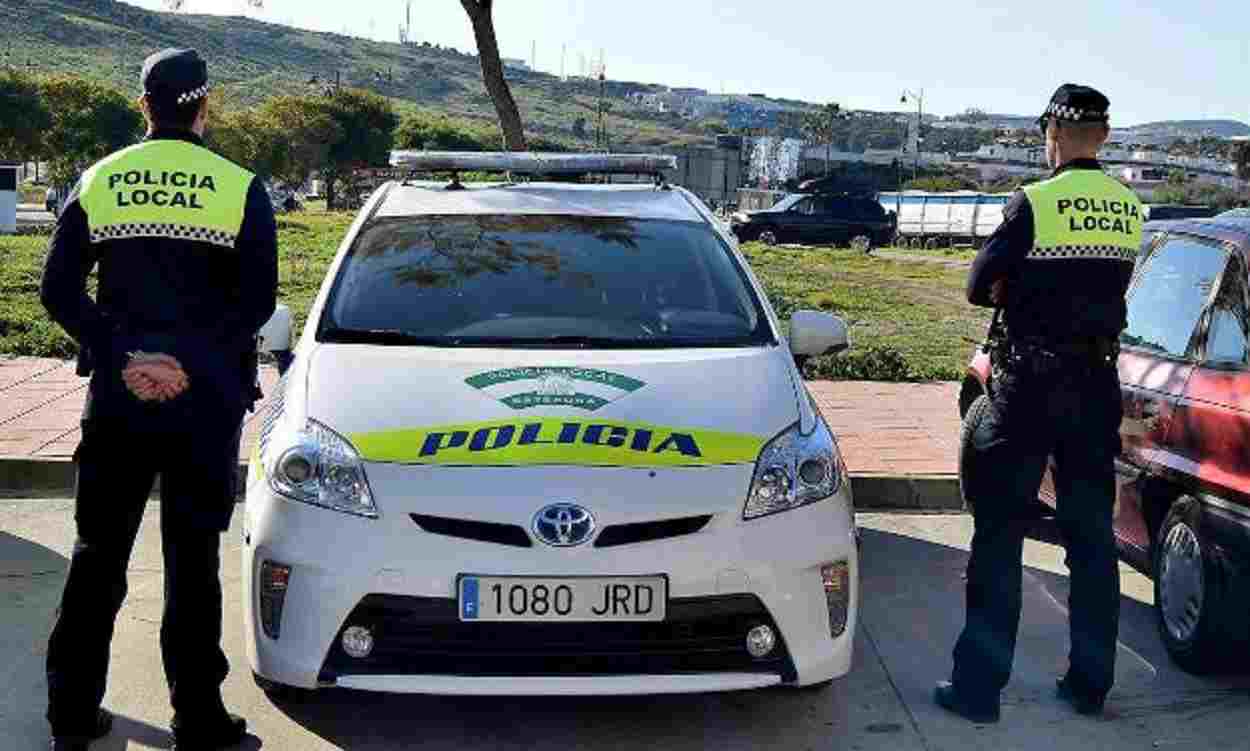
x: 1183, y: 475
x: 817, y: 219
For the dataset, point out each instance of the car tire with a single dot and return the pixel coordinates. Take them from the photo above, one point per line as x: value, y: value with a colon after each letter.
x: 768, y: 237
x: 1195, y: 593
x: 977, y: 411
x: 861, y: 243
x: 280, y: 692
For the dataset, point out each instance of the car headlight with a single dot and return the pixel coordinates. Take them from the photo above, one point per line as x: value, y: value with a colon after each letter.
x: 794, y: 470
x: 322, y: 467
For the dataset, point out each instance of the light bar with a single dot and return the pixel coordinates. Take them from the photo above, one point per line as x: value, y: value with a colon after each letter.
x: 533, y: 163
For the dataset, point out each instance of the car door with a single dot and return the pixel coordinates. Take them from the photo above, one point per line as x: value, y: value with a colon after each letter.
x: 1167, y: 301
x: 800, y: 223
x: 1211, y: 434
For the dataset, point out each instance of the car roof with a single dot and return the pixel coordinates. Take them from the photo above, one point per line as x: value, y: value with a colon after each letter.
x: 410, y: 199
x: 1234, y: 231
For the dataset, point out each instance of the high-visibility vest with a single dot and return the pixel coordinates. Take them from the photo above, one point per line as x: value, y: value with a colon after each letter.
x: 165, y: 188
x: 1083, y: 213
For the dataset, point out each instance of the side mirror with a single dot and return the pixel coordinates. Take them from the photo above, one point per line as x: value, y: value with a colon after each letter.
x: 813, y: 333
x: 275, y: 337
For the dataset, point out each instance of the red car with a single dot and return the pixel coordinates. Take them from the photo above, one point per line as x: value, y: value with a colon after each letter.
x: 1183, y: 475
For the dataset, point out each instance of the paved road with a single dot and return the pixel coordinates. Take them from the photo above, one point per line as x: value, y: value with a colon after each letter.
x: 911, y: 615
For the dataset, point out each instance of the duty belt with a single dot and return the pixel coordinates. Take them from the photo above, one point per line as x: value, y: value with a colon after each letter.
x: 1047, y: 357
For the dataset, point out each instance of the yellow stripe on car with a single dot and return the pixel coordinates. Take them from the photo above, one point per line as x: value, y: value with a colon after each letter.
x: 595, y: 443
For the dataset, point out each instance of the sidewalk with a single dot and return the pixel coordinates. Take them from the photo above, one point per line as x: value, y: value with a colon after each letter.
x: 883, y: 428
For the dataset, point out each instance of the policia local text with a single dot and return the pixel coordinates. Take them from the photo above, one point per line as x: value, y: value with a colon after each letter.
x: 182, y: 183
x: 1116, y: 215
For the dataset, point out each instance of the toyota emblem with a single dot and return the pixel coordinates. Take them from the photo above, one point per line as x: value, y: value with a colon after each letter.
x: 564, y: 525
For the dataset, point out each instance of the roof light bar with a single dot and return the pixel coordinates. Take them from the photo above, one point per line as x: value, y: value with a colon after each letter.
x: 534, y: 163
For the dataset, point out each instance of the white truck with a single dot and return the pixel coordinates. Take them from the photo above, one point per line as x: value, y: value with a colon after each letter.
x: 934, y: 220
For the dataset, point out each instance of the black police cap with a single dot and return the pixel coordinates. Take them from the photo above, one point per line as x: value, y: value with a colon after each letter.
x: 175, y: 75
x: 1078, y: 104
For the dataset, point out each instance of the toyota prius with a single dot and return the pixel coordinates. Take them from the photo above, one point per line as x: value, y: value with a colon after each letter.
x: 547, y: 438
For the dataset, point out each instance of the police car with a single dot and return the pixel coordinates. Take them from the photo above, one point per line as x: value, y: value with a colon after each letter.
x: 547, y: 438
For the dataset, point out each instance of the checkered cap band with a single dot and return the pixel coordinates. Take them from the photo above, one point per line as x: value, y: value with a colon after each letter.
x: 170, y: 231
x: 193, y: 94
x: 1064, y: 112
x: 1083, y: 252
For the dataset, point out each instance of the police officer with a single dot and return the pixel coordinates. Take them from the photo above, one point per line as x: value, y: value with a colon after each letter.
x: 186, y: 249
x: 1057, y: 269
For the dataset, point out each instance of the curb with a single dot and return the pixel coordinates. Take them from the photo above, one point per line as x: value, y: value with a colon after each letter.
x: 880, y: 492
x: 873, y: 492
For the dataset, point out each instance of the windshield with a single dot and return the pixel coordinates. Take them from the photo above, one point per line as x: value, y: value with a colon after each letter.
x: 785, y: 203
x: 543, y: 281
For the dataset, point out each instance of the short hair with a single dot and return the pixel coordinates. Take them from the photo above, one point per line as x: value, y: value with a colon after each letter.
x: 169, y: 113
x: 1086, y: 132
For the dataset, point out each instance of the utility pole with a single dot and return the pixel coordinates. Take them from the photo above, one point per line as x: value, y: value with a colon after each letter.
x: 564, y: 51
x: 919, y: 123
x: 601, y: 131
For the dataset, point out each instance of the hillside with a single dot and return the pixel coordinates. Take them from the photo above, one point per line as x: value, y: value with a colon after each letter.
x: 252, y: 60
x: 1191, y: 129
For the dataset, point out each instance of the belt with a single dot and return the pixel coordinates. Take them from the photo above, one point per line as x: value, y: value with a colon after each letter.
x: 1043, y: 358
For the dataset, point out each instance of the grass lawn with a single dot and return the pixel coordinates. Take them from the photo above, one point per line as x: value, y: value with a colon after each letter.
x: 908, y: 320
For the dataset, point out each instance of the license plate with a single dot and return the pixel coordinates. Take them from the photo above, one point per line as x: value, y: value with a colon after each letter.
x: 576, y: 599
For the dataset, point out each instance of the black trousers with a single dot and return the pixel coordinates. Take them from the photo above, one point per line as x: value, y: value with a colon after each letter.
x: 118, y: 461
x: 1074, y: 414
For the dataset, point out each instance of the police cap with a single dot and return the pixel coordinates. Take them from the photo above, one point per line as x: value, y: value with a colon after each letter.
x: 1077, y: 104
x: 175, y: 76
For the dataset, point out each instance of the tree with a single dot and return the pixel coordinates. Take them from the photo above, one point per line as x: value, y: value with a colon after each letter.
x: 308, y: 129
x: 1241, y: 155
x: 1177, y: 178
x: 479, y: 12
x: 365, y: 125
x: 24, y: 116
x: 820, y: 127
x: 89, y: 122
x: 252, y: 140
x: 426, y: 130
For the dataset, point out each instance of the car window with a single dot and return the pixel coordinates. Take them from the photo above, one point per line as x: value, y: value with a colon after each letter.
x: 531, y: 281
x: 1230, y: 317
x: 1170, y: 291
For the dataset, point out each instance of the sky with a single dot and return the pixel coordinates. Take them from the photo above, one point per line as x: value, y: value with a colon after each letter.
x: 1179, y: 60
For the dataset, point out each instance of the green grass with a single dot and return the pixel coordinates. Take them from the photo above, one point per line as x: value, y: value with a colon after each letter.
x: 307, y: 242
x: 908, y: 320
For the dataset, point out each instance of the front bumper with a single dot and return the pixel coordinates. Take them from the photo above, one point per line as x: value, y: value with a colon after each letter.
x: 398, y: 580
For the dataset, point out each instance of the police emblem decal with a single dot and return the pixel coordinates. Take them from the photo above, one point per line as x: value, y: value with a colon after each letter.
x: 526, y: 387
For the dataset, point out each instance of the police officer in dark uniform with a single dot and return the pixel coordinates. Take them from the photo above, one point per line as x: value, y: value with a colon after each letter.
x: 186, y: 249
x: 1057, y: 270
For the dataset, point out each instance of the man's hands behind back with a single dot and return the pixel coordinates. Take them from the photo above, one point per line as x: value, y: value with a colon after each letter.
x: 155, y: 377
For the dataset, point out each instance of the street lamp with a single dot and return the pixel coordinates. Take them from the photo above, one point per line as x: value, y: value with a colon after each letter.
x: 919, y: 120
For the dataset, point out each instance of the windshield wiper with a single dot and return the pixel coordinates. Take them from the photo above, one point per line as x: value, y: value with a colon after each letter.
x: 338, y: 335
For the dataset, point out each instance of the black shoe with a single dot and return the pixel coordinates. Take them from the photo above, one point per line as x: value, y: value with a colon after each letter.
x: 224, y: 732
x: 1082, y: 703
x: 103, y: 726
x: 979, y: 712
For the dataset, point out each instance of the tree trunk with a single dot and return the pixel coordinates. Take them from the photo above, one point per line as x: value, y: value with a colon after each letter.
x: 492, y: 73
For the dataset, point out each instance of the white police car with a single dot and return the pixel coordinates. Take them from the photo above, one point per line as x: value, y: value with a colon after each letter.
x: 547, y: 438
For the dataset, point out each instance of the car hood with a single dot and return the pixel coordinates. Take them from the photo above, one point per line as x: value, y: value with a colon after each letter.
x: 478, y: 407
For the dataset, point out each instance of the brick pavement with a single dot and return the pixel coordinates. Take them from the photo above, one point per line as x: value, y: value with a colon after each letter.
x: 883, y: 428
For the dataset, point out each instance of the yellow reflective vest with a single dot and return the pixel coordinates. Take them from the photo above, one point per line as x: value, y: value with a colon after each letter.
x: 1083, y: 213
x: 165, y: 188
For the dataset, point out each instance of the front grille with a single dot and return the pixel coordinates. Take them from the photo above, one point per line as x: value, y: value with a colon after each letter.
x: 628, y: 534
x: 424, y: 636
x: 502, y: 534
